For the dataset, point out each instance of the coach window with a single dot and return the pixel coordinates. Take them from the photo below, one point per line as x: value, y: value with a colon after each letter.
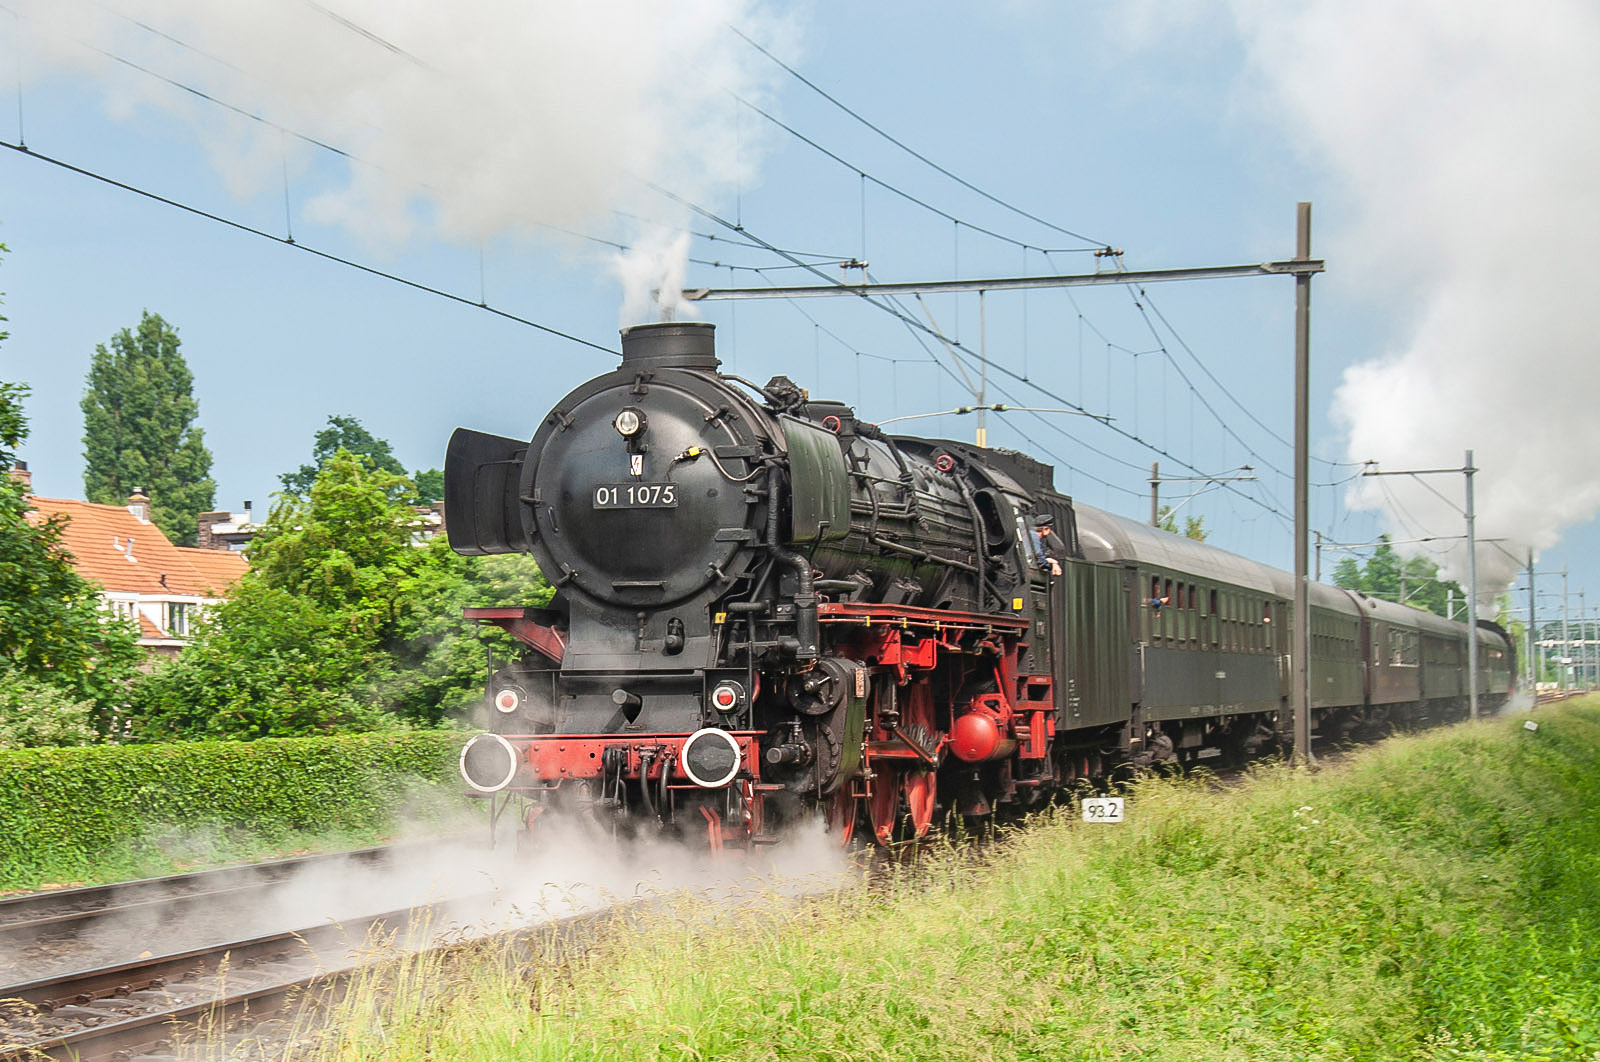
x: 1171, y: 624
x: 1266, y: 621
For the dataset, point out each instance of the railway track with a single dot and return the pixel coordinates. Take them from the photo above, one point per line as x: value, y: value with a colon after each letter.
x: 245, y: 999
x: 72, y: 928
x: 223, y: 992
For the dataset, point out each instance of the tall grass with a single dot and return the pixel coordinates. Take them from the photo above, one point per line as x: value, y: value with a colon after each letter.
x: 1432, y: 898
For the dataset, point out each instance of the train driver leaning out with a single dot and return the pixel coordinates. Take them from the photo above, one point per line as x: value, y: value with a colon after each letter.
x: 1046, y: 545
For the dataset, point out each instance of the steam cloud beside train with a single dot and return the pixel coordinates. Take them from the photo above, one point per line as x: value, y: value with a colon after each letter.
x: 1465, y: 136
x: 469, y: 120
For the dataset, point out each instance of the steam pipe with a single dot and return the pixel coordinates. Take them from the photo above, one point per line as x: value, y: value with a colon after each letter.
x: 806, y: 627
x: 664, y: 804
x: 646, y: 756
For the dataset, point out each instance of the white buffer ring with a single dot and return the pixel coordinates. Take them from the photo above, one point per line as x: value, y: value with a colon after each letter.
x: 511, y: 763
x: 714, y: 735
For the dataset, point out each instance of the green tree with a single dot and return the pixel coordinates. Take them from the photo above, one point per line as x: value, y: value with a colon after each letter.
x: 438, y: 659
x: 52, y: 629
x: 35, y: 713
x: 430, y: 486
x: 1193, y: 526
x: 138, y: 429
x: 346, y: 544
x: 263, y: 663
x: 1347, y: 573
x: 343, y: 622
x: 1413, y: 580
x: 51, y: 625
x: 347, y: 434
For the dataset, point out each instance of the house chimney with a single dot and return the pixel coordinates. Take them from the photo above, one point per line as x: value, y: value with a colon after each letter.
x: 20, y: 473
x: 249, y: 512
x: 139, y: 505
x: 206, y: 539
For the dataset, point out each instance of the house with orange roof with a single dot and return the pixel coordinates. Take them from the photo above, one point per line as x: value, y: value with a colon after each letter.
x: 143, y: 576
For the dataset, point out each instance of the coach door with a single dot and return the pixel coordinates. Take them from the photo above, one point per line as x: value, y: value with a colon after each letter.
x: 1091, y: 643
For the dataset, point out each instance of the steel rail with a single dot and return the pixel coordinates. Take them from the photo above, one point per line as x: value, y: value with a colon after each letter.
x: 60, y: 907
x: 75, y: 995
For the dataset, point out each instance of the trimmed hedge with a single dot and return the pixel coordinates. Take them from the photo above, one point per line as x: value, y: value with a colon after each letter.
x: 67, y: 812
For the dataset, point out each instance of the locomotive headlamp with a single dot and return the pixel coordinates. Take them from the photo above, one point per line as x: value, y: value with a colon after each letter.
x: 727, y: 697
x: 507, y: 700
x: 629, y: 422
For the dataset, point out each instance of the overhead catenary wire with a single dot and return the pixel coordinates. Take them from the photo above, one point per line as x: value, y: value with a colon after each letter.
x: 362, y: 31
x: 912, y: 151
x: 284, y: 130
x: 995, y: 199
x: 350, y: 156
x: 902, y: 193
x: 481, y: 302
x: 919, y: 337
x: 325, y: 255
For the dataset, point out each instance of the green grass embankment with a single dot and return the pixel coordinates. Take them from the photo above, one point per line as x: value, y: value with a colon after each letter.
x: 114, y: 812
x: 1430, y: 898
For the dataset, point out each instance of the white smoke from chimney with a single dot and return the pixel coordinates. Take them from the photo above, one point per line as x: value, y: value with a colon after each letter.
x: 652, y: 272
x: 467, y: 120
x: 1465, y: 135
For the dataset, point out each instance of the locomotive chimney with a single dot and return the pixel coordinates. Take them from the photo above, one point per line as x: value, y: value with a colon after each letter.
x: 670, y: 345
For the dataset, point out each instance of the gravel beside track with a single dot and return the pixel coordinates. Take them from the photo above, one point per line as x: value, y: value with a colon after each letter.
x: 123, y: 1010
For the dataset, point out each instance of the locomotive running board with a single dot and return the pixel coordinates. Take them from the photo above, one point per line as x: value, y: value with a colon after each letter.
x: 904, y: 616
x: 531, y: 626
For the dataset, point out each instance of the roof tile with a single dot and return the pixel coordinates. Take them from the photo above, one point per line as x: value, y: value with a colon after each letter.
x: 112, y: 547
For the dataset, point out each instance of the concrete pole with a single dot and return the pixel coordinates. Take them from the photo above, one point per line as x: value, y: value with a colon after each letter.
x: 983, y: 373
x: 1583, y: 642
x: 1472, y: 596
x: 1155, y: 493
x: 1318, y: 576
x: 1566, y: 629
x: 1300, y: 694
x: 1533, y: 623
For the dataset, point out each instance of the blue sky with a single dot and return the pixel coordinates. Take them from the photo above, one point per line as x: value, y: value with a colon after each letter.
x: 1182, y: 134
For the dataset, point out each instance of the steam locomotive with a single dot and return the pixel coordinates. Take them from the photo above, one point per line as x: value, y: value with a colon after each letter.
x: 768, y: 611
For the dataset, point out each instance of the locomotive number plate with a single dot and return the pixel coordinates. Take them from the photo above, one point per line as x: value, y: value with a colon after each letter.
x: 636, y: 496
x: 1102, y: 809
